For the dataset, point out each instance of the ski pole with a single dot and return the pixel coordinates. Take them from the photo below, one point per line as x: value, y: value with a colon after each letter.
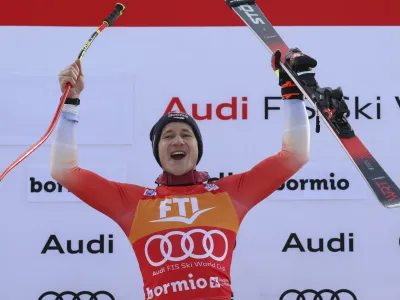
x: 107, y: 22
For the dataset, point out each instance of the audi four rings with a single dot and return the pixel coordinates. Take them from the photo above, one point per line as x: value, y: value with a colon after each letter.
x: 188, y: 251
x: 325, y: 294
x: 101, y: 295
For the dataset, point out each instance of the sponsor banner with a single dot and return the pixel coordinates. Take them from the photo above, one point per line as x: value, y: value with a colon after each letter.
x: 327, y: 293
x: 334, y: 239
x: 41, y: 187
x: 342, y: 239
x: 319, y: 181
x: 104, y: 244
x: 53, y: 295
x: 67, y: 251
x: 24, y: 124
x: 324, y: 181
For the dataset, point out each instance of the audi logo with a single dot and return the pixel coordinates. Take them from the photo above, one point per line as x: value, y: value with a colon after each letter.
x: 207, y: 243
x: 84, y: 295
x: 325, y: 294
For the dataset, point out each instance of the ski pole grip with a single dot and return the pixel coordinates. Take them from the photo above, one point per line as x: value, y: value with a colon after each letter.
x: 234, y: 3
x: 118, y: 10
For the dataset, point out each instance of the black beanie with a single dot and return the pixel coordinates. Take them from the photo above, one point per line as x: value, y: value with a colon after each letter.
x: 174, y: 116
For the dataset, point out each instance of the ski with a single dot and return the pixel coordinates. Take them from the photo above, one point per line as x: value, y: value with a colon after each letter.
x: 385, y: 190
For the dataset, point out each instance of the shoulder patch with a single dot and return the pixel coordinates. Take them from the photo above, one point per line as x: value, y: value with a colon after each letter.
x: 211, y: 187
x: 149, y: 192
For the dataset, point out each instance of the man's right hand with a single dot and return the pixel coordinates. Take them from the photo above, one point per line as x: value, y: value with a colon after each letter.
x: 300, y: 63
x: 73, y: 74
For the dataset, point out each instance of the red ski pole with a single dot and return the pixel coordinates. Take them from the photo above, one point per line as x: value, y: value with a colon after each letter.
x: 107, y: 22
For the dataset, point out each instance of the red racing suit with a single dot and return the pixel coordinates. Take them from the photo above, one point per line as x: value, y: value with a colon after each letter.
x: 183, y: 236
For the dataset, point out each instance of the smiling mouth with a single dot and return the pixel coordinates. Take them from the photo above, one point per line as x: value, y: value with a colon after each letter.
x: 178, y: 155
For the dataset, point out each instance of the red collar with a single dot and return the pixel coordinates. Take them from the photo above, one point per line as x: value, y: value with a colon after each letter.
x: 190, y: 178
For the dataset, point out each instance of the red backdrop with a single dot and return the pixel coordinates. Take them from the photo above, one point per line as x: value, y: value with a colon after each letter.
x: 197, y: 13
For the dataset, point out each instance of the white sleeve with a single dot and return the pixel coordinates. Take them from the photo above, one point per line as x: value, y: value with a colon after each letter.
x: 296, y: 134
x: 64, y: 148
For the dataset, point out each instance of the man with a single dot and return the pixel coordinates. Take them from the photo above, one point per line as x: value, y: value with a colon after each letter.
x: 183, y: 231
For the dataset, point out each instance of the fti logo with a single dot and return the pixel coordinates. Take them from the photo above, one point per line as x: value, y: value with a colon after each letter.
x: 184, y: 210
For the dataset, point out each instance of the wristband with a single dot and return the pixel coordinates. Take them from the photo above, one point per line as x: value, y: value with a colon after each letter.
x: 73, y: 101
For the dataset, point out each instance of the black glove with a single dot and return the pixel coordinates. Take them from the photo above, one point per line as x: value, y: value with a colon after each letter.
x: 329, y: 101
x: 299, y: 62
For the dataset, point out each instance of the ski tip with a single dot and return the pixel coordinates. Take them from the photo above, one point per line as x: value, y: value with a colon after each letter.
x: 234, y: 3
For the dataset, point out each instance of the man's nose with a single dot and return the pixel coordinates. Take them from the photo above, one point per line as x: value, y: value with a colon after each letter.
x: 178, y: 140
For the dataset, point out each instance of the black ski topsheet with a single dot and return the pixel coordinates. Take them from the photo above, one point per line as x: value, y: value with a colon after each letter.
x: 252, y: 15
x: 379, y: 181
x: 386, y: 191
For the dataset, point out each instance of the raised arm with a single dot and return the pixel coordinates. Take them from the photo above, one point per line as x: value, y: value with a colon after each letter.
x: 116, y: 200
x: 249, y: 188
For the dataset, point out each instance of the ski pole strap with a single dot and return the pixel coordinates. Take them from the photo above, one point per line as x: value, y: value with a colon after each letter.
x: 234, y: 3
